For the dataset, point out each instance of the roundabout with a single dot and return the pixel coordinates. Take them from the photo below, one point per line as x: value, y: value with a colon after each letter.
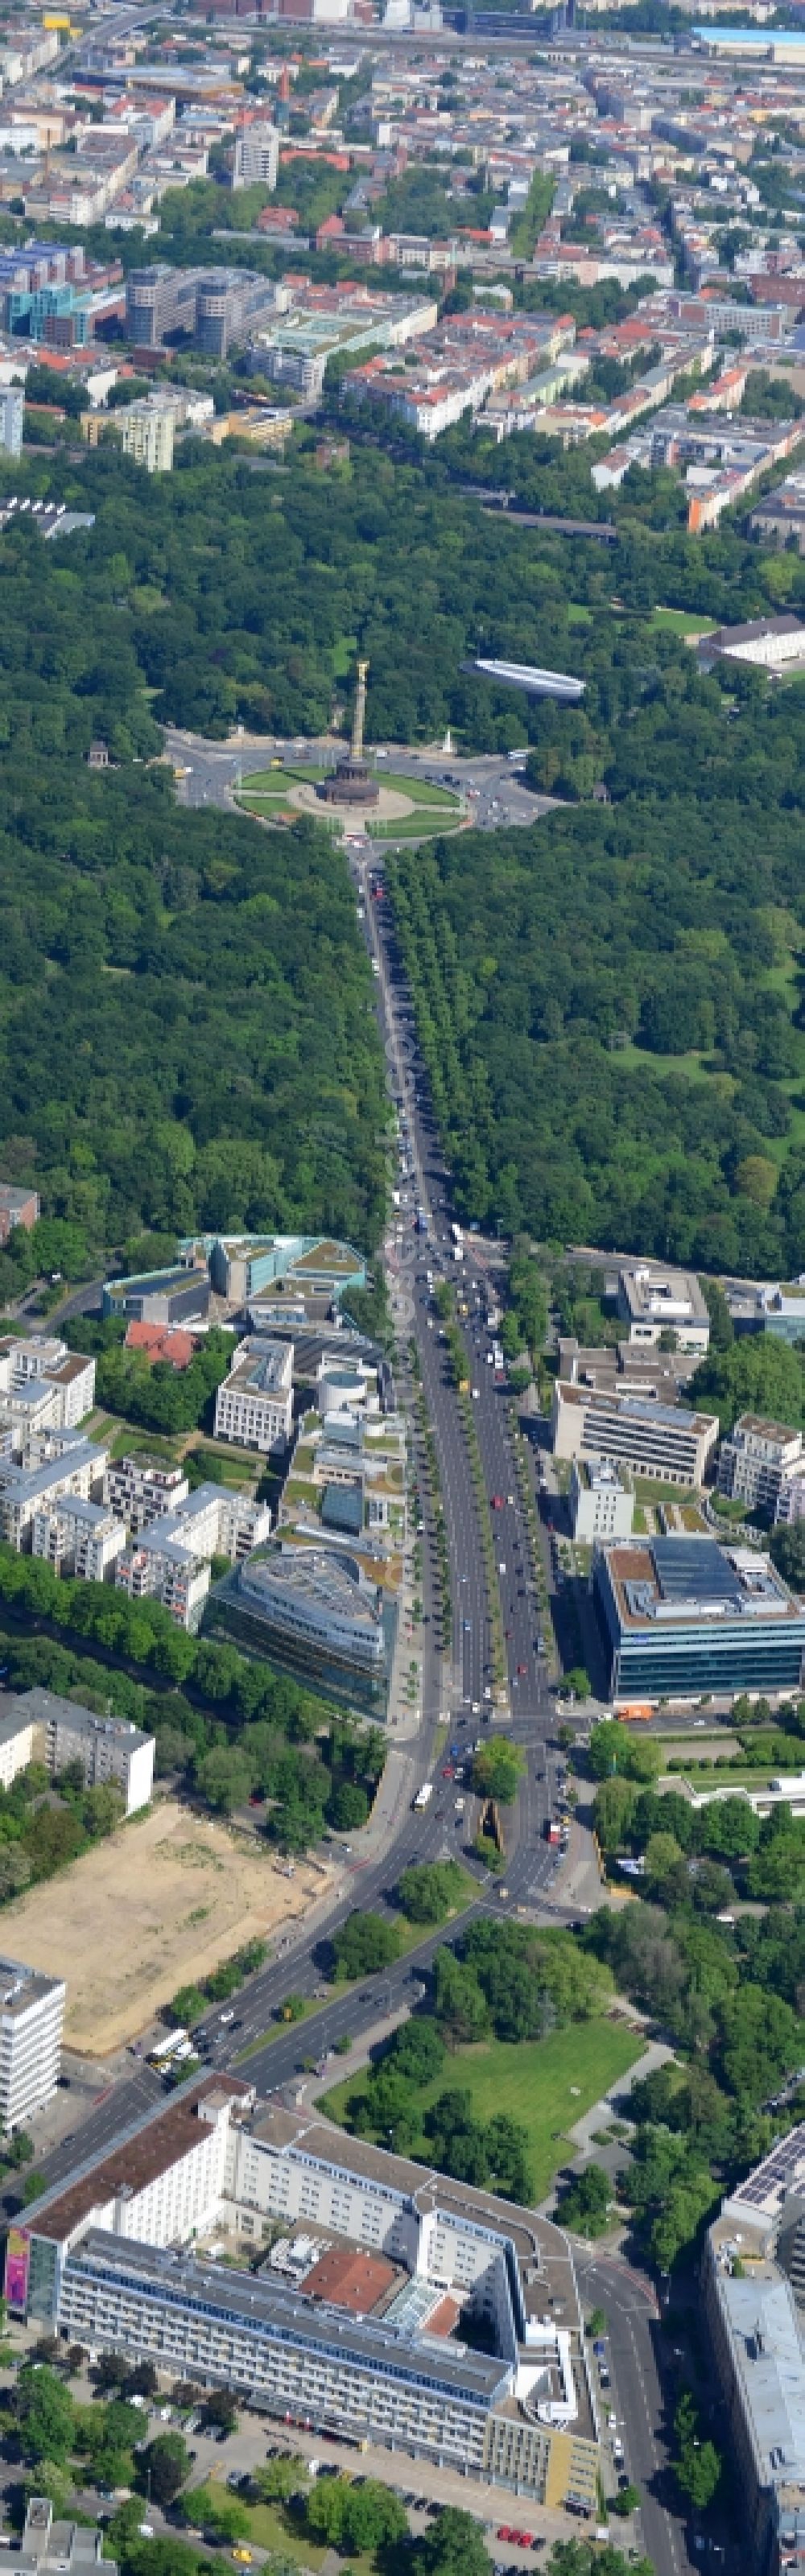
x: 404, y: 808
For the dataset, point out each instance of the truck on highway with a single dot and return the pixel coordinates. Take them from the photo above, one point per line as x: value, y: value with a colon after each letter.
x: 424, y: 1795
x: 553, y: 1831
x: 635, y: 1709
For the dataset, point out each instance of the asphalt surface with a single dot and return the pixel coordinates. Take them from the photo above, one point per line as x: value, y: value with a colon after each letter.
x: 495, y: 795
x: 636, y: 2340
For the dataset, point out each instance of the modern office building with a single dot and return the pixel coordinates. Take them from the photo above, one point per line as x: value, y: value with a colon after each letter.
x: 241, y: 1266
x: 176, y: 1296
x: 254, y: 1404
x: 653, y: 1301
x: 12, y: 415
x: 757, y: 1461
x: 214, y: 307
x: 665, y: 1441
x: 147, y: 433
x: 316, y: 1605
x: 755, y: 2306
x: 39, y: 1726
x: 31, y: 2016
x: 354, y: 2323
x: 682, y: 1616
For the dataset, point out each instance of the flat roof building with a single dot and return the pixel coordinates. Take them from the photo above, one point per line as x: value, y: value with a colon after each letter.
x: 31, y: 2017
x: 59, y: 1731
x: 350, y: 2320
x: 254, y: 1403
x: 661, y: 1440
x: 681, y: 1616
x: 311, y: 1605
x: 160, y: 1296
x: 601, y: 1500
x: 758, y: 1460
x: 654, y: 1301
x: 754, y: 2277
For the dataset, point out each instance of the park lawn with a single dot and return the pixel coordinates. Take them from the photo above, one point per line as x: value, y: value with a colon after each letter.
x: 529, y: 2082
x: 227, y: 1471
x: 416, y: 826
x: 132, y: 1438
x: 423, y: 791
x: 683, y: 621
x: 271, y: 2526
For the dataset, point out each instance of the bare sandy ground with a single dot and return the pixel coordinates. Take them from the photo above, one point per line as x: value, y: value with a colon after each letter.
x: 156, y: 1906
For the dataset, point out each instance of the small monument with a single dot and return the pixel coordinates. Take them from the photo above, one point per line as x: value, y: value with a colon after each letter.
x: 351, y: 782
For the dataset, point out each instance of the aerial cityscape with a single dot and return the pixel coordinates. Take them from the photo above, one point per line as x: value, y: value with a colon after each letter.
x: 402, y: 1287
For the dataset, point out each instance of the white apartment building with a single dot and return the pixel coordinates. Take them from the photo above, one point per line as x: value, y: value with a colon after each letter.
x: 214, y: 1521
x: 791, y: 1498
x: 139, y: 1488
x: 78, y: 1538
x: 31, y: 2016
x: 39, y: 1726
x: 601, y: 1500
x: 758, y: 1460
x: 254, y: 1405
x: 654, y: 1301
x: 26, y: 1491
x: 159, y: 1568
x: 256, y: 156
x: 662, y: 1440
x: 16, y: 1743
x: 147, y: 431
x: 46, y: 1361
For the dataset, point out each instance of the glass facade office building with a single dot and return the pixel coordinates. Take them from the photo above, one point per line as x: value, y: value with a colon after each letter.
x: 678, y: 1617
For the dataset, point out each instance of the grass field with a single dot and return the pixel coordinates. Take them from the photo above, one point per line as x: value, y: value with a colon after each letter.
x: 683, y: 621
x: 531, y: 2083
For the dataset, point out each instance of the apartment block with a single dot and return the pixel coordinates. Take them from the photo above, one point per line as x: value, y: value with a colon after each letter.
x: 26, y: 1491
x: 660, y: 1440
x: 256, y: 156
x: 214, y: 1521
x: 31, y: 2016
x: 138, y: 1488
x: 12, y: 414
x: 146, y: 434
x: 757, y: 1462
x: 39, y: 1726
x: 160, y: 1568
x: 254, y: 1405
x: 45, y: 1362
x: 78, y: 1538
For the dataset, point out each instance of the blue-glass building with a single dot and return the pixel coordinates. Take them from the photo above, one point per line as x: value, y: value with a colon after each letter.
x: 683, y: 1616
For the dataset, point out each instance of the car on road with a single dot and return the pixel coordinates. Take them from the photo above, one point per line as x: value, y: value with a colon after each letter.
x: 522, y: 1668
x: 497, y: 1502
